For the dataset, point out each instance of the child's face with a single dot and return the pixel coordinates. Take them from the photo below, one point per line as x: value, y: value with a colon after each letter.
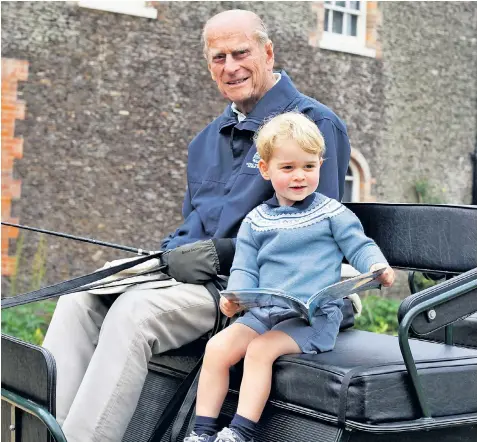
x: 294, y: 173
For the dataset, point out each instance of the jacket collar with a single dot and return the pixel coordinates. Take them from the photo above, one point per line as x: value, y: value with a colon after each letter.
x: 300, y: 205
x: 274, y: 102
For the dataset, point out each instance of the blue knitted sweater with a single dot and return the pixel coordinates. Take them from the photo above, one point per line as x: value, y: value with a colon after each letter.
x: 300, y: 248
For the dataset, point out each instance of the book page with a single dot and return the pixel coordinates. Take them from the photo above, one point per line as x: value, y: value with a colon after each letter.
x: 262, y: 297
x: 366, y: 281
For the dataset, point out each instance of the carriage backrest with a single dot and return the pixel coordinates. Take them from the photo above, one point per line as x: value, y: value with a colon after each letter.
x: 436, y: 238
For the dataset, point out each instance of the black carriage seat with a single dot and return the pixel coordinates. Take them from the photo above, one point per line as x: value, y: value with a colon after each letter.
x: 364, y: 378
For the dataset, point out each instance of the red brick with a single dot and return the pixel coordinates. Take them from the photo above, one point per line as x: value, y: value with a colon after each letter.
x: 10, y: 188
x: 8, y: 265
x: 8, y: 107
x: 6, y: 207
x: 20, y: 110
x: 9, y: 231
x: 7, y: 161
x: 7, y: 120
x: 17, y: 147
x: 17, y: 69
x: 12, y: 109
x: 9, y: 87
x: 9, y: 111
x: 15, y: 188
x: 7, y: 131
x: 12, y: 147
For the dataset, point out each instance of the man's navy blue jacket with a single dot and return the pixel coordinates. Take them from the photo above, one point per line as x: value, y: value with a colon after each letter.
x: 223, y: 181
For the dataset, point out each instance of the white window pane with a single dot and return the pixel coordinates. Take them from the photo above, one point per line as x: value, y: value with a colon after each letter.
x: 354, y: 5
x: 352, y: 25
x: 327, y: 19
x: 342, y: 4
x: 337, y: 22
x: 348, y: 191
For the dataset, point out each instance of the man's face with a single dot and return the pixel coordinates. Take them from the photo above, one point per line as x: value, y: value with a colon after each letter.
x: 241, y: 67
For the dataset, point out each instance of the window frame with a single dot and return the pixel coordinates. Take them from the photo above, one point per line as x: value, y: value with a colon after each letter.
x: 121, y: 8
x: 355, y: 180
x: 347, y: 43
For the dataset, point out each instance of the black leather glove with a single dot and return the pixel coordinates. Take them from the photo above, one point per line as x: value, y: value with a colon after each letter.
x: 200, y: 261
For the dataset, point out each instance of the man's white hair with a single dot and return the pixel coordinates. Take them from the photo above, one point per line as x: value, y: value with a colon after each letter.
x: 260, y: 31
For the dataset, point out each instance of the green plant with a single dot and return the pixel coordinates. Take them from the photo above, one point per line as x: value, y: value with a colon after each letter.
x: 28, y: 322
x: 18, y: 258
x: 379, y: 315
x: 426, y: 194
x: 39, y: 265
x: 423, y: 280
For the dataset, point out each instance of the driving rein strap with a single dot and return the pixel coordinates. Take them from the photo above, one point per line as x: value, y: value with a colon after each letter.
x: 80, y: 283
x: 183, y: 400
x: 187, y: 388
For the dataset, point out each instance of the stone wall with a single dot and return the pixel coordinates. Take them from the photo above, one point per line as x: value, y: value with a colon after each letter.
x: 113, y: 101
x: 430, y: 93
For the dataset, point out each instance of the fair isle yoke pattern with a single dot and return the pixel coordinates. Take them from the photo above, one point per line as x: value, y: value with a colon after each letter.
x: 263, y: 218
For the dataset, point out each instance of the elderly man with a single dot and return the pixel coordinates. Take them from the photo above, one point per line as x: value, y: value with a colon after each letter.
x: 102, y: 354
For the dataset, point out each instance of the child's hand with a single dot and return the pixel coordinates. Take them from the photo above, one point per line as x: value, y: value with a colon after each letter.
x: 387, y: 277
x: 228, y: 308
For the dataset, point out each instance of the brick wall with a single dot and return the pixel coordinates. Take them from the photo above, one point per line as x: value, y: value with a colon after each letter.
x: 373, y: 22
x: 13, y: 109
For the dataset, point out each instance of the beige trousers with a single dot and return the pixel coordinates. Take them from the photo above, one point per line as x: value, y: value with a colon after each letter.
x: 102, y: 355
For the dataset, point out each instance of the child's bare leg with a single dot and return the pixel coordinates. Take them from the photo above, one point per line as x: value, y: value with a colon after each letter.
x: 223, y: 350
x: 257, y: 374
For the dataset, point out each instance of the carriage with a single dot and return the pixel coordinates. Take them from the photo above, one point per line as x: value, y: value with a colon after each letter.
x: 418, y: 386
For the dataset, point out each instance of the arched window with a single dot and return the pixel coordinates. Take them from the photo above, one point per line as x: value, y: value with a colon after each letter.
x: 352, y: 183
x: 358, y: 179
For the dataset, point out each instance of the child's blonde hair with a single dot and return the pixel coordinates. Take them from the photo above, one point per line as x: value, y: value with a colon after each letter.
x: 289, y: 126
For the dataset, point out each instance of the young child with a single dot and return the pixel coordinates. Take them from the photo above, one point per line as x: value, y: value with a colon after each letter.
x: 295, y: 242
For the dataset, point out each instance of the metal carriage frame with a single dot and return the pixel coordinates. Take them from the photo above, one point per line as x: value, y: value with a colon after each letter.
x: 431, y: 238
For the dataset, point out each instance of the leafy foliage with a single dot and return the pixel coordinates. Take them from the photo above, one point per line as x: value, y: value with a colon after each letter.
x: 28, y: 322
x: 428, y: 194
x: 379, y: 315
x: 39, y: 264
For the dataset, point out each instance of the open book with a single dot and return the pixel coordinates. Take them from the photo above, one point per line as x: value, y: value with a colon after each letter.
x: 262, y: 297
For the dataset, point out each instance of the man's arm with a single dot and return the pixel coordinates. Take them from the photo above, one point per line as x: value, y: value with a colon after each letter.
x: 201, y: 261
x: 338, y: 150
x: 186, y: 210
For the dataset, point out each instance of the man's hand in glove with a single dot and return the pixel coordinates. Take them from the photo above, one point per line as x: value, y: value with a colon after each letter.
x: 200, y: 261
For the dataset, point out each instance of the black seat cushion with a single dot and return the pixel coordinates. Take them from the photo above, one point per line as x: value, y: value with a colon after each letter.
x: 379, y: 389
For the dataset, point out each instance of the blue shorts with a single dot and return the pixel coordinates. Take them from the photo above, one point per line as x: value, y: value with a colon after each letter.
x: 315, y: 338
